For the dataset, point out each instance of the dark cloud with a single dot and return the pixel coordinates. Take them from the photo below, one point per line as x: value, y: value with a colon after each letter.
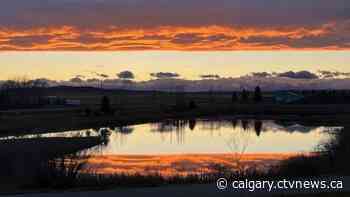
x: 321, y: 74
x: 194, y: 38
x: 267, y: 81
x: 263, y: 40
x: 76, y: 80
x: 187, y: 38
x: 101, y: 75
x: 155, y: 37
x: 99, y: 36
x: 165, y: 75
x: 222, y: 84
x: 339, y: 39
x: 261, y: 74
x: 136, y: 24
x: 28, y: 41
x: 128, y: 75
x: 219, y: 37
x: 182, y: 12
x: 92, y: 80
x: 87, y: 39
x: 298, y: 75
x: 210, y: 76
x: 333, y: 74
x: 80, y: 76
x: 328, y: 74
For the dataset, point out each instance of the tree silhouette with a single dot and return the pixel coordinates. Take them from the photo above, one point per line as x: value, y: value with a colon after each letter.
x: 234, y: 97
x: 211, y: 96
x: 234, y: 123
x: 245, y: 124
x: 105, y: 105
x: 244, y: 96
x: 257, y: 95
x: 192, y: 124
x: 258, y: 127
x: 192, y: 105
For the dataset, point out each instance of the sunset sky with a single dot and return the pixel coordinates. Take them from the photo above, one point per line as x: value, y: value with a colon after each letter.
x: 59, y: 39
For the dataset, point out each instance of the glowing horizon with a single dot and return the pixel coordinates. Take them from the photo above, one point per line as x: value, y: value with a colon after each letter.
x: 65, y: 65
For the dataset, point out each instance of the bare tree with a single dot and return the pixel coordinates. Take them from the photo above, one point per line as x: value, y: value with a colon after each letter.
x: 238, y: 145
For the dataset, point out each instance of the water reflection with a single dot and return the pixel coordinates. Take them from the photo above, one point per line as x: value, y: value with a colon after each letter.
x: 183, y: 146
x: 258, y: 127
x: 125, y: 130
x: 214, y: 136
x: 201, y: 136
x: 64, y: 134
x: 179, y: 165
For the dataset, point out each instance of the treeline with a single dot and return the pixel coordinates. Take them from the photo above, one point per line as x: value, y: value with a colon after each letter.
x: 22, y: 93
x: 246, y: 96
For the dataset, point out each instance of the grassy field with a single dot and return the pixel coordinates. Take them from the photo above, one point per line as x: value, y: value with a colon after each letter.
x: 77, y: 119
x: 139, y: 107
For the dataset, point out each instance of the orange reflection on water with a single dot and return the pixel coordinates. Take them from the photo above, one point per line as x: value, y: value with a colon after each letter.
x: 179, y: 164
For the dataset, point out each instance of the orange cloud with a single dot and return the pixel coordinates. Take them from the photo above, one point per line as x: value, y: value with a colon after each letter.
x: 201, y: 38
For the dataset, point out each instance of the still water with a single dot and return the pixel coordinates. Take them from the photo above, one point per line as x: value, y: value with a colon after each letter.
x: 181, y: 147
x: 213, y: 136
x: 203, y: 136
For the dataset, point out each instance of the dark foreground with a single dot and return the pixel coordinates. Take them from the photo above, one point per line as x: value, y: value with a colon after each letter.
x: 206, y: 190
x: 137, y: 109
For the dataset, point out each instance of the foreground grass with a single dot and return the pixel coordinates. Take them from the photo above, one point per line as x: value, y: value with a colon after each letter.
x: 331, y: 160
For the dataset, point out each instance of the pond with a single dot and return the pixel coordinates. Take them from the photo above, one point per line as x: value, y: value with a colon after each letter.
x: 213, y: 136
x: 192, y: 146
